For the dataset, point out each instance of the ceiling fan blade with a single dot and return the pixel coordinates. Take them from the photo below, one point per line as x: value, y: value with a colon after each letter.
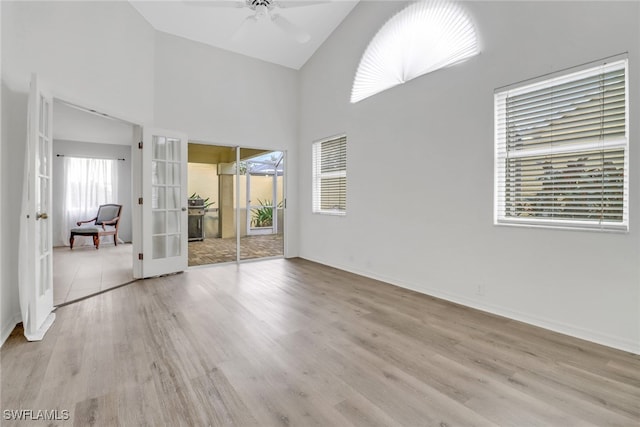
x: 285, y: 4
x: 216, y: 3
x: 291, y: 29
x: 241, y: 32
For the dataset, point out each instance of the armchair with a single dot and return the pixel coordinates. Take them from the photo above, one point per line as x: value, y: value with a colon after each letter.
x: 107, y: 215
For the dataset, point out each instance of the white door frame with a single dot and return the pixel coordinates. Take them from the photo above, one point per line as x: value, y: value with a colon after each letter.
x: 136, y: 169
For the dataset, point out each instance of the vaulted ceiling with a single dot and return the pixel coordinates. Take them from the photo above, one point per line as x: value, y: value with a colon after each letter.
x: 235, y: 29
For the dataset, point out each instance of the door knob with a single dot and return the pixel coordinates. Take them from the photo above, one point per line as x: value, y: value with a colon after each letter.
x: 184, y: 209
x: 42, y: 215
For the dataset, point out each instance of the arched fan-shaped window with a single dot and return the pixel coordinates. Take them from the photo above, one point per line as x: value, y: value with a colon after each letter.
x: 421, y: 38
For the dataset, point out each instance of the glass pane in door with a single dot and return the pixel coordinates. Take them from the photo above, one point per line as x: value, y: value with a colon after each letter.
x: 262, y: 204
x: 165, y: 197
x: 42, y: 199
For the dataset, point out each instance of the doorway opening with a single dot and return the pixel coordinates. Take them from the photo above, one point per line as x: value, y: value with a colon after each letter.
x: 236, y: 203
x: 91, y: 166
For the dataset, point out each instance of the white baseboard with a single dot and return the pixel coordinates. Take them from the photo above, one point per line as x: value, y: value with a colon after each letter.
x: 619, y: 343
x: 8, y: 328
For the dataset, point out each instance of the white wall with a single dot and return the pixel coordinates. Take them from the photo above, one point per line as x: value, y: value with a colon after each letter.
x: 95, y: 54
x: 14, y: 123
x: 5, y: 298
x: 420, y: 173
x: 224, y: 98
x: 90, y: 149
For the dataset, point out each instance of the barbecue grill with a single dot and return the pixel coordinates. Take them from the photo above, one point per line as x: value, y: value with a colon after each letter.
x: 196, y: 219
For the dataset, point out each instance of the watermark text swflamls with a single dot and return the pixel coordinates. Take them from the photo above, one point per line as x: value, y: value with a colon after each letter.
x: 36, y: 414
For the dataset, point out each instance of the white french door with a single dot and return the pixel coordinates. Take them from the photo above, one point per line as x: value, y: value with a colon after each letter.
x: 164, y: 204
x: 36, y: 259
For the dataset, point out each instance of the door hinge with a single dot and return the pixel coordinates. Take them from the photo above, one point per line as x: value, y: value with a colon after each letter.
x: 139, y: 200
x: 140, y: 145
x: 140, y: 257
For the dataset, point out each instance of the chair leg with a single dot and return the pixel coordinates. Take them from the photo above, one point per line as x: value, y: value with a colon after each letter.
x: 96, y: 241
x: 71, y: 239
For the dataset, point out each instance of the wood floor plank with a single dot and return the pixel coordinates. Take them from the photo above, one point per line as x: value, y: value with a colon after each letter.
x: 405, y: 401
x: 220, y: 402
x: 575, y: 401
x: 360, y: 412
x: 96, y: 411
x: 138, y: 405
x: 291, y: 342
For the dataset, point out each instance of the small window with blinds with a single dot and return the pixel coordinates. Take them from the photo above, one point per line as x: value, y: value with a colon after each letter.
x: 330, y: 176
x: 562, y: 151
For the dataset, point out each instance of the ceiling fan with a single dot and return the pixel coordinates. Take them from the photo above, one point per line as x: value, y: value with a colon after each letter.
x: 263, y: 10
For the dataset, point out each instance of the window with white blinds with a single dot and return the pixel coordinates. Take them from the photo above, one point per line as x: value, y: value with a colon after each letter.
x: 562, y: 150
x: 330, y: 176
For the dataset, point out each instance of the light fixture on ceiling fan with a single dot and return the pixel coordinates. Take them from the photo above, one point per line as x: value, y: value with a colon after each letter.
x: 264, y: 11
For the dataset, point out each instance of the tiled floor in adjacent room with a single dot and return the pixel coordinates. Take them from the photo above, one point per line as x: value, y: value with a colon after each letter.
x: 84, y: 270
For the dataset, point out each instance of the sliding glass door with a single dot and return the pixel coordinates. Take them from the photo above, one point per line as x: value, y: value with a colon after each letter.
x: 262, y: 206
x: 236, y: 202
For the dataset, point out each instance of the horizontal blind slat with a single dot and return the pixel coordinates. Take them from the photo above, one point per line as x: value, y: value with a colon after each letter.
x: 611, y: 75
x: 555, y: 101
x: 608, y: 112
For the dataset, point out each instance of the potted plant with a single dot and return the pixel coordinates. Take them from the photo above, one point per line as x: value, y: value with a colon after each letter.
x: 263, y: 216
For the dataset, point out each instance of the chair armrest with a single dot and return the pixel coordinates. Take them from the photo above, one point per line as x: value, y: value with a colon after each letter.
x: 89, y: 220
x: 110, y: 222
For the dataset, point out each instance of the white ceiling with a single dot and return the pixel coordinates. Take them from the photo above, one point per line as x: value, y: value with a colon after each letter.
x: 215, y: 26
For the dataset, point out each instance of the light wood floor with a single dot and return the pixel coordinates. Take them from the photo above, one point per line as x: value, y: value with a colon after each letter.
x: 295, y: 343
x: 84, y: 270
